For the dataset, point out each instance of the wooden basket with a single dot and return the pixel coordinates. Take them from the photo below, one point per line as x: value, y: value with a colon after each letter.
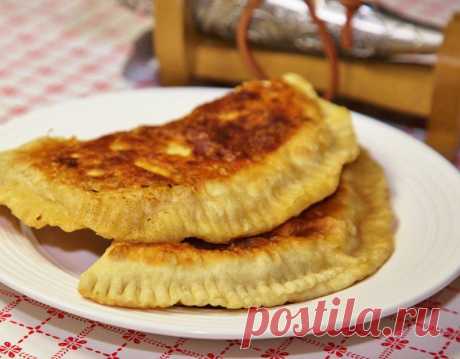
x: 432, y: 92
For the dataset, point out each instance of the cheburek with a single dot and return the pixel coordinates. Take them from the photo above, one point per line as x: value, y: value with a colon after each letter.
x: 233, y: 167
x: 328, y: 247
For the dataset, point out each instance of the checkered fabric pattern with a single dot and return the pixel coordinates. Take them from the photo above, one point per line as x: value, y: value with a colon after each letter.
x: 29, y: 329
x: 52, y: 50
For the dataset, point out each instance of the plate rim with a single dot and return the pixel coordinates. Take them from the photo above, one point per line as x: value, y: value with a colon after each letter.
x: 164, y: 329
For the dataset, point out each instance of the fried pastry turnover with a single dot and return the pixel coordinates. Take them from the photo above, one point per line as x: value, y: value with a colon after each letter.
x: 234, y: 167
x: 326, y: 248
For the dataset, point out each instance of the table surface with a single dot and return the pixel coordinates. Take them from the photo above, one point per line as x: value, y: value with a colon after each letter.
x: 55, y: 50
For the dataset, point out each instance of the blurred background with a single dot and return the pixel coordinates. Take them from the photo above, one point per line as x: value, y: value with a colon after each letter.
x: 401, y: 64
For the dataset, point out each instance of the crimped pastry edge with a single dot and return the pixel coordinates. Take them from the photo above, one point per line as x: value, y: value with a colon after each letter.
x: 252, y: 201
x: 291, y: 269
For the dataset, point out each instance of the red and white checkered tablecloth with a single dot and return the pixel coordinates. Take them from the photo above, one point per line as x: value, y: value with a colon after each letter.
x: 52, y: 50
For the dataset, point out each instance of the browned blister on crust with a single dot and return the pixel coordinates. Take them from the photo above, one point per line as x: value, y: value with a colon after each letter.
x: 214, y: 141
x: 328, y: 247
x: 234, y: 167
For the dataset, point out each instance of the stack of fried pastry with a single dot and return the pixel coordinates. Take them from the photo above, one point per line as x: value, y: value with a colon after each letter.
x: 258, y: 198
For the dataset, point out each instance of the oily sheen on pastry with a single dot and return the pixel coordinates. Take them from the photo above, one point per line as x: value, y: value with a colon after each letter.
x: 237, y: 166
x: 328, y: 247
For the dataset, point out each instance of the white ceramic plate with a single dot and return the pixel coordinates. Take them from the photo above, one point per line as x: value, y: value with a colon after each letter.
x: 45, y: 264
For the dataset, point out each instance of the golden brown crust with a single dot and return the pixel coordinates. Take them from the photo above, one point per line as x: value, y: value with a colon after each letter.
x: 223, y: 177
x: 213, y: 141
x: 328, y: 247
